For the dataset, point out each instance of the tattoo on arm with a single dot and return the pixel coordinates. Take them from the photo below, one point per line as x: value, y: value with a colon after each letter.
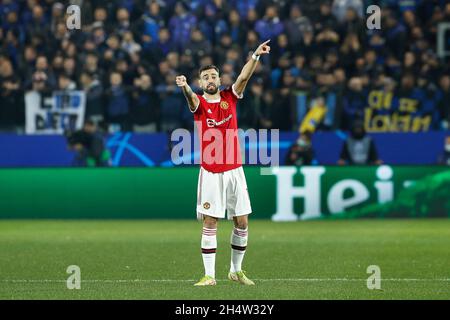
x: 190, y: 97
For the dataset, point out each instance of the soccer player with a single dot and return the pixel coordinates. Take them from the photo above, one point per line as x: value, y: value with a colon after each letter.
x: 221, y: 183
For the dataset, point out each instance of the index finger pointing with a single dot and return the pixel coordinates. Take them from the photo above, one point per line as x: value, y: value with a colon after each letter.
x: 266, y: 42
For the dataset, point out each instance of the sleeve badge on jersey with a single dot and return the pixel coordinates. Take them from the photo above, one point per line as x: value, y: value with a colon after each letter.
x: 224, y: 105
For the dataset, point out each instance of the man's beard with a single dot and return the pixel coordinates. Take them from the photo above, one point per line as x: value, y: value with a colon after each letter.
x: 212, y: 90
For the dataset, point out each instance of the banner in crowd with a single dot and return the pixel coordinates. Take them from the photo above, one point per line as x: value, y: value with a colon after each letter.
x: 387, y: 112
x: 280, y: 194
x: 382, y: 111
x: 55, y: 113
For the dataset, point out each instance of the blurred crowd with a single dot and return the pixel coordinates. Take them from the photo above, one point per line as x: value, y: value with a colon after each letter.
x: 128, y: 52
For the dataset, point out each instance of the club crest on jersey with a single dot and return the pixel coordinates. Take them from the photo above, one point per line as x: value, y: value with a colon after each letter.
x: 206, y: 205
x: 224, y: 105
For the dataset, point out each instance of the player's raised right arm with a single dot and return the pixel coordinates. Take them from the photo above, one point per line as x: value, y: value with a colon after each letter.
x: 191, y: 97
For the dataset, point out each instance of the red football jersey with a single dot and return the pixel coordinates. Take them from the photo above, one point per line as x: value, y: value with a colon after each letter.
x: 217, y: 127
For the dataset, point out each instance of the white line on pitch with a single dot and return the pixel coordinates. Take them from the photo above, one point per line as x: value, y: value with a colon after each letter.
x: 191, y: 280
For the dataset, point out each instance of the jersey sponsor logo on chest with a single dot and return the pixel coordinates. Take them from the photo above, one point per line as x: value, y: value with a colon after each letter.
x: 211, y: 123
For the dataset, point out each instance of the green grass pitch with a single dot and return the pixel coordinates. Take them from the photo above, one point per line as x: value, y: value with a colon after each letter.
x: 153, y: 259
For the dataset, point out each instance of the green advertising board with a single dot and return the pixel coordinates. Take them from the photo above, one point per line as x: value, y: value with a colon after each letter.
x: 281, y: 193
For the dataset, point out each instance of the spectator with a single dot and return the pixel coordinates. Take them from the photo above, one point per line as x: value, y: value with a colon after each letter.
x: 113, y: 50
x: 339, y: 89
x: 352, y: 23
x: 27, y: 61
x: 301, y: 73
x: 444, y: 158
x: 123, y: 21
x: 280, y: 48
x: 198, y: 46
x: 117, y: 103
x: 444, y: 101
x: 227, y: 80
x: 153, y: 21
x: 70, y: 67
x: 341, y: 7
x: 128, y: 43
x: 65, y: 84
x: 122, y: 66
x: 163, y: 71
x: 327, y: 39
x: 315, y: 116
x: 237, y: 29
x: 249, y: 117
x: 186, y: 63
x: 252, y: 18
x: 251, y: 42
x: 409, y: 90
x: 354, y: 102
x: 38, y: 24
x: 144, y: 107
x: 94, y: 97
x: 359, y: 149
x: 268, y: 110
x: 276, y: 75
x: 99, y: 36
x: 91, y: 65
x: 173, y: 109
x: 11, y: 102
x: 307, y: 46
x: 297, y: 25
x: 42, y: 67
x: 57, y: 15
x: 214, y: 22
x: 232, y: 56
x: 181, y: 24
x: 244, y: 6
x: 40, y: 83
x: 162, y: 47
x: 89, y: 147
x: 101, y: 19
x: 270, y: 26
x: 395, y: 35
x: 410, y: 64
x: 58, y: 64
x: 11, y: 22
x: 325, y: 17
x: 350, y: 50
x: 282, y: 110
x: 219, y: 52
x: 301, y: 152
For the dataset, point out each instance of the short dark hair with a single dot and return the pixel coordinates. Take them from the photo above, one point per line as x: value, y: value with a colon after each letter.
x: 89, y: 122
x: 211, y: 66
x: 87, y: 73
x: 64, y: 75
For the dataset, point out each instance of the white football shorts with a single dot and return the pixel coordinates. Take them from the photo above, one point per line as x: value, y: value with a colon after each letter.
x: 220, y: 192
